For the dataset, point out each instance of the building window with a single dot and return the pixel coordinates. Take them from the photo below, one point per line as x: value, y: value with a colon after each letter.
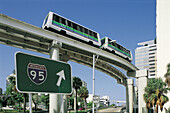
x: 152, y: 74
x: 152, y: 68
x: 152, y: 64
x: 151, y: 60
x: 152, y: 50
x: 151, y: 53
x: 152, y: 57
x: 152, y: 71
x: 152, y: 46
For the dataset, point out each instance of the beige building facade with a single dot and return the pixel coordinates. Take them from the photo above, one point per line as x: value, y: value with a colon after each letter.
x: 146, y: 57
x: 163, y: 39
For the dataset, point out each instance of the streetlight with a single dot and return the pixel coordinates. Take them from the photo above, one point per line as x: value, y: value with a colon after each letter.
x: 94, y: 61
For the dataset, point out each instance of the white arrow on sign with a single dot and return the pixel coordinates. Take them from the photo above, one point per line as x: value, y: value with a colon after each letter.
x: 61, y: 74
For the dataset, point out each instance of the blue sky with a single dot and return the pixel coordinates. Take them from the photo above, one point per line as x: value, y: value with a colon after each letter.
x: 127, y: 21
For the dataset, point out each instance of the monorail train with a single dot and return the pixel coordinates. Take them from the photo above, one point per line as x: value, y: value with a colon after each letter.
x: 59, y: 24
x: 64, y: 25
x: 116, y: 48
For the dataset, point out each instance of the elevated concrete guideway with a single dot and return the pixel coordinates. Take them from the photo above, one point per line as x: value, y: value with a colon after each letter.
x: 26, y: 36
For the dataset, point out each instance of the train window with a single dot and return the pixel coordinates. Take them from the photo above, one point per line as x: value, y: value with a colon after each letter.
x: 56, y: 18
x: 109, y: 41
x: 127, y: 51
x: 69, y: 23
x: 63, y: 21
x: 90, y: 33
x: 123, y: 49
x: 115, y: 44
x: 78, y: 27
x: 118, y: 46
x: 95, y: 34
x: 74, y: 26
x: 85, y: 30
x: 81, y: 28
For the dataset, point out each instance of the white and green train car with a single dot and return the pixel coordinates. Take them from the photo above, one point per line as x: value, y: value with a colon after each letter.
x: 71, y: 28
x: 116, y: 48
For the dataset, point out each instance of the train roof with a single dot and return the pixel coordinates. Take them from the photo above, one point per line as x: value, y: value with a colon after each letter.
x: 73, y: 21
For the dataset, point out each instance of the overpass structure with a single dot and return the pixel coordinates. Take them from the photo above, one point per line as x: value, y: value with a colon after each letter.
x: 23, y: 35
x: 19, y: 34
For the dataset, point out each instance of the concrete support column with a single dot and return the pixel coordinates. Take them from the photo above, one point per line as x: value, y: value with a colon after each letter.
x: 135, y: 105
x: 56, y: 100
x: 64, y: 58
x: 129, y: 96
x: 65, y: 103
x: 142, y: 77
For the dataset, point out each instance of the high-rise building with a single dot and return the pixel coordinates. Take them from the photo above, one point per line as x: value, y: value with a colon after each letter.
x: 146, y: 57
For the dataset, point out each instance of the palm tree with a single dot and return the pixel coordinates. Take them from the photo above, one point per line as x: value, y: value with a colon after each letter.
x: 35, y: 99
x: 13, y: 95
x: 70, y: 100
x: 11, y: 90
x: 77, y: 83
x: 1, y: 102
x: 167, y: 75
x: 154, y: 94
x: 83, y: 93
x: 45, y: 99
x: 11, y: 85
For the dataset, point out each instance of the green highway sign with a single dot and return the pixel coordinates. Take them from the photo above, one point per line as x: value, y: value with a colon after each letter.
x: 37, y: 74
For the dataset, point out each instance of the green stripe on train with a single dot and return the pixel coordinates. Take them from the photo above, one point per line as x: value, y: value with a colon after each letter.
x: 75, y: 30
x: 120, y: 50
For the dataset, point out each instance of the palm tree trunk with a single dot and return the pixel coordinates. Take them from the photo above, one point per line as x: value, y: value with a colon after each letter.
x: 24, y: 102
x: 19, y: 106
x: 76, y: 100
x: 85, y: 103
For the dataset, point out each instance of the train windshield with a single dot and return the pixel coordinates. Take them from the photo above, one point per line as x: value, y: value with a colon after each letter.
x: 45, y: 21
x: 103, y: 41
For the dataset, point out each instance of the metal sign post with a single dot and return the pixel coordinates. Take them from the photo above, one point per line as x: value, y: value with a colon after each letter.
x: 96, y: 100
x: 30, y: 102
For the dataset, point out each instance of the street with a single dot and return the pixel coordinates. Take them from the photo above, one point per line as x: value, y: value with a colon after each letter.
x: 118, y: 109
